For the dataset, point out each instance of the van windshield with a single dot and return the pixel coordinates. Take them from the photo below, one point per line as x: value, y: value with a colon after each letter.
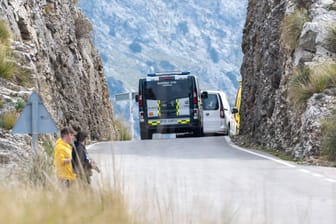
x: 167, y: 89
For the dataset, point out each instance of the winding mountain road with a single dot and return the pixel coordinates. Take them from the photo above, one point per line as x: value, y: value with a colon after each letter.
x: 209, y: 180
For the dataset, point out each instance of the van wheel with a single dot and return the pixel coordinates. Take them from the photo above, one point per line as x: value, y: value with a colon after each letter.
x: 198, y: 132
x: 146, y: 134
x: 228, y: 130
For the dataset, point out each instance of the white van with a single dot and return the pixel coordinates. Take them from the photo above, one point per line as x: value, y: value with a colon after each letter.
x: 217, y: 115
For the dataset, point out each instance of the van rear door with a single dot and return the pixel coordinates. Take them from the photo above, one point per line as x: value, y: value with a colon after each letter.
x: 213, y: 121
x: 168, y: 99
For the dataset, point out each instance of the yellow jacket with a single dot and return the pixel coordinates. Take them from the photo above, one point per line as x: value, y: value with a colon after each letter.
x: 63, y: 151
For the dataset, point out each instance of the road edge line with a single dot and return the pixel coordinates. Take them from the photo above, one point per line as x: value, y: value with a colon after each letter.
x: 228, y: 140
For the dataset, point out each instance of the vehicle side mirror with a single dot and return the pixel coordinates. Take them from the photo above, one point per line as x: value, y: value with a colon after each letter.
x: 235, y: 110
x: 136, y: 98
x: 204, y: 95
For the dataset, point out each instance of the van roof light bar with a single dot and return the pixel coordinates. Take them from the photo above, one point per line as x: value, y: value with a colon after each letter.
x: 168, y: 73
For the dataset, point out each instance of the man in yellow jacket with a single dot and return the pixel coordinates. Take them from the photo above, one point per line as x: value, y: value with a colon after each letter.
x: 63, y: 157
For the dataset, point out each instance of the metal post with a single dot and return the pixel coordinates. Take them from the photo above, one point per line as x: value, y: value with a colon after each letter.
x: 34, y: 124
x: 131, y: 115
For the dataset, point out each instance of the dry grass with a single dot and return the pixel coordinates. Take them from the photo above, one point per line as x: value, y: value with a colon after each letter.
x: 328, y: 146
x: 123, y: 131
x: 8, y: 120
x: 34, y: 196
x: 4, y: 33
x: 23, y: 77
x: 22, y: 204
x: 292, y: 26
x: 331, y: 39
x: 7, y: 66
x: 298, y: 92
x: 307, y: 81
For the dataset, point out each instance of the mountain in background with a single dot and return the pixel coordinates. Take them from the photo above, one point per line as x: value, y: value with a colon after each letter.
x: 139, y: 37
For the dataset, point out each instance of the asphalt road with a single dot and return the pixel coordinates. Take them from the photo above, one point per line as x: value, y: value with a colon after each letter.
x: 208, y: 180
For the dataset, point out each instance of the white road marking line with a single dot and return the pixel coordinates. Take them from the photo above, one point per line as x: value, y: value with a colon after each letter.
x: 228, y: 140
x: 330, y: 180
x: 305, y: 171
x: 259, y: 155
x: 318, y: 175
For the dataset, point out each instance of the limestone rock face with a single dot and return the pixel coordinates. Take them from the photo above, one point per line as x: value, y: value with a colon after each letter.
x: 268, y: 117
x: 52, y: 40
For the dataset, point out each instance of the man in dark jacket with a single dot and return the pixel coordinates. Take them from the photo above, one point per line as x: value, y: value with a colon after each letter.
x: 82, y: 164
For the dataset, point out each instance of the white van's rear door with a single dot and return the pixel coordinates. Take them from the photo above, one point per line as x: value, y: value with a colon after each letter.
x: 212, y: 122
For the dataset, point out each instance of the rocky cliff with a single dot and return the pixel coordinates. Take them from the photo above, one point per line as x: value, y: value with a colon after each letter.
x: 273, y: 53
x: 51, y: 41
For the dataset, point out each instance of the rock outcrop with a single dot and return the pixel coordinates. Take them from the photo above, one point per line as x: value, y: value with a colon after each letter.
x: 52, y: 39
x: 52, y: 43
x: 268, y: 116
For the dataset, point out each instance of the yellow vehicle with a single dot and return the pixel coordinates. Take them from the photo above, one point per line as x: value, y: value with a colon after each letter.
x: 237, y: 106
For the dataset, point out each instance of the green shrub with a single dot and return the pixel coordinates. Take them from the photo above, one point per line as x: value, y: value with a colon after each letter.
x: 4, y: 33
x: 8, y: 120
x: 19, y: 105
x: 332, y: 7
x: 328, y: 143
x: 292, y: 27
x: 307, y: 81
x: 331, y: 39
x: 1, y: 103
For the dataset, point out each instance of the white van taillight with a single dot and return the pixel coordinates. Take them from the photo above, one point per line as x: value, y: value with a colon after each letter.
x: 141, y: 116
x: 195, y: 100
x: 222, y: 115
x: 221, y: 111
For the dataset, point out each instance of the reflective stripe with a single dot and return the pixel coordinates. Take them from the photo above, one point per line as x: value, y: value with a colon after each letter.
x: 183, y: 121
x: 159, y: 108
x: 154, y: 123
x: 177, y: 107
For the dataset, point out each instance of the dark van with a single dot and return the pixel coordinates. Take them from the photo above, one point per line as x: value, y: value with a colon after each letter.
x: 169, y: 102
